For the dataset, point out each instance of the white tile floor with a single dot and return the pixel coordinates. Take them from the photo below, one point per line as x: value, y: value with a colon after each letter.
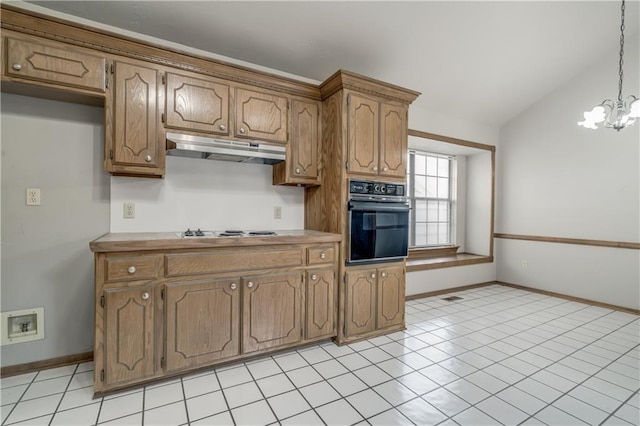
x: 498, y: 356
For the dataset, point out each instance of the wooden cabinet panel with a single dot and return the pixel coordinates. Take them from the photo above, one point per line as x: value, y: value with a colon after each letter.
x: 393, y: 140
x: 363, y: 135
x: 390, y: 296
x: 202, y: 322
x: 132, y: 268
x: 316, y: 255
x: 128, y: 334
x: 360, y: 302
x: 261, y: 116
x: 34, y: 61
x: 320, y: 294
x: 135, y: 116
x: 178, y: 265
x: 304, y: 140
x: 196, y: 104
x: 271, y: 307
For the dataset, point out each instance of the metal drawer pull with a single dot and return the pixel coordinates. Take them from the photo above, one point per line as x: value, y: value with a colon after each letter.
x: 147, y: 158
x: 297, y: 171
x: 145, y: 296
x: 233, y: 286
x: 250, y: 284
x: 16, y: 67
x: 314, y: 277
x: 323, y: 256
x: 131, y: 270
x: 242, y: 130
x: 222, y: 127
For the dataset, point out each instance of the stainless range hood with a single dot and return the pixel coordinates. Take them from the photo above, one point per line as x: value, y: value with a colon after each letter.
x: 190, y: 146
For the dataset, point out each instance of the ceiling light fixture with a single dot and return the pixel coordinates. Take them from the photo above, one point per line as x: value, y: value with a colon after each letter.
x: 618, y: 114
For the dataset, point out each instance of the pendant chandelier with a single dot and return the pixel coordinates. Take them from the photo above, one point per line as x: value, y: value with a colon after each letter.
x: 615, y: 114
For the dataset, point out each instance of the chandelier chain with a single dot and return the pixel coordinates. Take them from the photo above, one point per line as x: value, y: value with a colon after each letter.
x: 621, y: 53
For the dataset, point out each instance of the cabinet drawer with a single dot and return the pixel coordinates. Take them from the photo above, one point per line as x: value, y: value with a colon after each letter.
x: 131, y: 268
x: 178, y: 265
x: 317, y: 255
x: 34, y: 61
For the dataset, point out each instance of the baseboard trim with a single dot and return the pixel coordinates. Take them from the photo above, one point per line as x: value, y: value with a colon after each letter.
x: 572, y: 298
x: 448, y: 290
x: 13, y: 370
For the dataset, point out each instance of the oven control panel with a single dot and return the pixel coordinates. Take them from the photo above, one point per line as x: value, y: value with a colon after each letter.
x: 381, y: 189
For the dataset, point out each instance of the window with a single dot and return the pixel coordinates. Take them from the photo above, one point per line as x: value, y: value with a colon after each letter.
x: 430, y: 195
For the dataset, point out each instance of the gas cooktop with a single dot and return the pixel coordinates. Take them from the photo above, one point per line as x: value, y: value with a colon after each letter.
x: 230, y: 233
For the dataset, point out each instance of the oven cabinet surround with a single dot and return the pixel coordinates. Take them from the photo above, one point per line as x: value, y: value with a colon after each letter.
x: 166, y: 305
x: 374, y: 300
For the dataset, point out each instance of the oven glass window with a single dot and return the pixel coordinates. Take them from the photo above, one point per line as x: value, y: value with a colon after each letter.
x: 378, y: 235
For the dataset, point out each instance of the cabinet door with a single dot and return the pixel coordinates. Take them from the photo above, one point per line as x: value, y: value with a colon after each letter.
x: 34, y: 61
x: 304, y: 140
x: 393, y: 140
x: 271, y: 311
x: 261, y: 116
x: 135, y: 116
x: 320, y: 296
x: 390, y: 296
x: 197, y: 105
x: 363, y: 135
x: 202, y: 322
x: 128, y: 334
x: 360, y: 301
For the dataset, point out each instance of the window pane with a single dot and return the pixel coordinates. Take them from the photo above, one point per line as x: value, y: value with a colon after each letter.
x: 432, y: 166
x: 443, y: 167
x: 421, y: 210
x: 443, y: 211
x: 419, y: 182
x: 432, y: 211
x: 420, y: 164
x: 443, y: 233
x: 421, y: 234
x: 443, y: 188
x: 432, y: 233
x: 432, y: 187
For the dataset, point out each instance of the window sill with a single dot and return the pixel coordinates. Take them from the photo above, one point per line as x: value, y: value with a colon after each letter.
x: 445, y: 261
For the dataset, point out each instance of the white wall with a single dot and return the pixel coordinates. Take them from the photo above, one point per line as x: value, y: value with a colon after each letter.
x: 211, y: 195
x: 46, y: 261
x: 560, y: 180
x: 478, y: 204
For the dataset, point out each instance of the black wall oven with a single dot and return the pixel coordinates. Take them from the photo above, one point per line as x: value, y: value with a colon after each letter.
x: 378, y: 218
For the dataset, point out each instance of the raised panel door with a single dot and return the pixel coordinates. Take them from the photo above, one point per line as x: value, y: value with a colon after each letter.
x: 320, y: 296
x: 304, y: 140
x: 363, y: 135
x: 390, y: 296
x: 393, y: 141
x: 360, y: 302
x: 261, y: 116
x: 135, y: 116
x: 196, y: 104
x: 128, y: 334
x: 272, y: 314
x: 202, y: 322
x: 34, y: 61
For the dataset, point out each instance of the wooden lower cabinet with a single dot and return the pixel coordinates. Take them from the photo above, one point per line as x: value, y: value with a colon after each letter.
x: 271, y: 311
x: 374, y: 300
x: 202, y: 322
x: 128, y: 334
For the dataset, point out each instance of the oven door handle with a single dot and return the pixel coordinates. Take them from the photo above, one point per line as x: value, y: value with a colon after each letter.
x: 378, y: 207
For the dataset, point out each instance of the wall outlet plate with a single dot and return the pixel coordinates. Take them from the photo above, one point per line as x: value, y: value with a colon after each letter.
x: 129, y: 210
x: 33, y: 196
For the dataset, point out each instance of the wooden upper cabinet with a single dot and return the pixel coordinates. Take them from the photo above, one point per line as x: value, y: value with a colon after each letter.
x: 271, y: 306
x: 304, y: 139
x: 393, y: 140
x: 321, y: 303
x: 196, y: 104
x: 261, y: 116
x: 136, y: 145
x: 202, y: 322
x: 391, y: 285
x: 360, y: 302
x: 58, y: 65
x: 128, y: 334
x: 363, y: 135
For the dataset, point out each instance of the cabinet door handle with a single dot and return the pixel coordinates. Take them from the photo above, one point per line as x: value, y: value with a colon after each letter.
x: 131, y: 270
x: 145, y: 295
x: 384, y: 274
x: 223, y: 127
x: 385, y: 169
x: 373, y: 275
x: 16, y: 67
x: 147, y: 158
x: 297, y: 171
x: 242, y: 130
x: 375, y: 168
x: 323, y: 256
x: 314, y: 277
x: 250, y: 284
x: 233, y: 286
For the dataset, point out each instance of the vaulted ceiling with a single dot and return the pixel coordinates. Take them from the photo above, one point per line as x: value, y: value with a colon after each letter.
x: 480, y: 61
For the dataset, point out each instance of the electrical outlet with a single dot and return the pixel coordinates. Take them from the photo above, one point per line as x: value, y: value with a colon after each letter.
x: 33, y: 196
x: 524, y: 264
x: 129, y: 210
x: 277, y: 212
